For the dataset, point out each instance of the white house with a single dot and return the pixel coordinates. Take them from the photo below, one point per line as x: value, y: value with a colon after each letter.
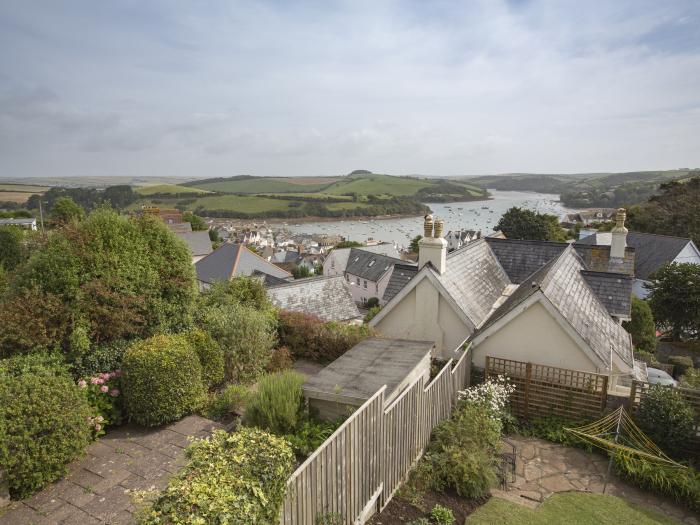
x: 458, y: 238
x: 651, y: 253
x: 544, y: 302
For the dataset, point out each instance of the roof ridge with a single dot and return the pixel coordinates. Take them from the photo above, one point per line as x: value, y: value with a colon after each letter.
x: 308, y: 279
x: 662, y: 235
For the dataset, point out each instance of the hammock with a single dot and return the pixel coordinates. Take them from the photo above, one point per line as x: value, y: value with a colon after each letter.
x: 617, y: 432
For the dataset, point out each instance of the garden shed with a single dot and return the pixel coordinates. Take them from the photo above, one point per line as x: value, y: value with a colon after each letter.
x: 356, y: 376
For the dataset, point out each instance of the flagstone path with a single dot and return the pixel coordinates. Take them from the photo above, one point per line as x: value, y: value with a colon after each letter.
x: 99, y: 487
x: 543, y: 468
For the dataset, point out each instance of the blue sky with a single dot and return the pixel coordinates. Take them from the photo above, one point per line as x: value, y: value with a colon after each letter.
x: 220, y: 88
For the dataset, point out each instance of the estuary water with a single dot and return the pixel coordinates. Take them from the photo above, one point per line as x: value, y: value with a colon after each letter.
x: 473, y: 215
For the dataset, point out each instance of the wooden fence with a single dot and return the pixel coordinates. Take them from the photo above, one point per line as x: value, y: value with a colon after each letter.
x: 546, y: 390
x: 690, y: 395
x: 357, y: 470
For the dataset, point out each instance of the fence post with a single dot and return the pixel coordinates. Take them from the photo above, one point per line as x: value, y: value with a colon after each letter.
x: 633, y: 396
x: 528, y: 376
x: 604, y: 401
x: 486, y: 369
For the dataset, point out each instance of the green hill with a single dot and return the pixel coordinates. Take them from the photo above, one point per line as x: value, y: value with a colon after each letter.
x: 248, y: 184
x: 167, y: 189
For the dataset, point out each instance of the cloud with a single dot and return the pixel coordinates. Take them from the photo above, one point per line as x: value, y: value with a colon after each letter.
x: 219, y: 88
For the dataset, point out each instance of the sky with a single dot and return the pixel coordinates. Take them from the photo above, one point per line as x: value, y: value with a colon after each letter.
x: 223, y: 88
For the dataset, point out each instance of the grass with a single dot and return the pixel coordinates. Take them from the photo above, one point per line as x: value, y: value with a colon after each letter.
x: 269, y: 185
x: 572, y: 508
x: 241, y: 203
x: 379, y: 184
x: 24, y: 188
x: 19, y: 197
x: 167, y: 189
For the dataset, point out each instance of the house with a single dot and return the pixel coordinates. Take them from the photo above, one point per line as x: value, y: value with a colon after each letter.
x: 337, y: 260
x: 235, y: 260
x: 652, y: 253
x: 369, y: 274
x: 354, y: 377
x: 167, y: 216
x: 458, y: 238
x: 198, y: 242
x: 286, y: 259
x: 537, y: 301
x: 587, y: 217
x: 327, y: 298
x: 27, y: 223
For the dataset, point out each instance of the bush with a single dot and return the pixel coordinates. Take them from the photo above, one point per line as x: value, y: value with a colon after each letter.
x: 551, y: 428
x: 210, y: 356
x: 691, y: 378
x: 231, y: 400
x: 162, y: 380
x: 666, y: 418
x: 683, y: 485
x: 105, y: 398
x: 371, y: 313
x: 442, y: 515
x: 462, y: 453
x: 680, y: 363
x: 642, y: 327
x: 281, y: 359
x: 309, y: 337
x: 372, y: 302
x: 237, y: 479
x: 277, y: 404
x: 246, y: 337
x: 310, y: 434
x: 102, y: 358
x: 43, y: 422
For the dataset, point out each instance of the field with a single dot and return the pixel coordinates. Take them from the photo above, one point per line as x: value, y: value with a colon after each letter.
x: 20, y: 197
x: 23, y: 188
x: 167, y: 189
x: 378, y: 185
x: 266, y: 184
x: 242, y: 203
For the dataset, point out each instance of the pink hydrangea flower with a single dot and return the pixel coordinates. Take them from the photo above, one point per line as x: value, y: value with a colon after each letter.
x: 100, y: 419
x: 82, y: 383
x: 117, y: 373
x: 114, y: 392
x: 104, y: 389
x: 95, y: 380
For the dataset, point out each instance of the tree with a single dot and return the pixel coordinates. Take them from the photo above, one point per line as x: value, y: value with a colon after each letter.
x: 642, y: 327
x: 301, y: 272
x: 65, y: 210
x: 196, y: 221
x: 11, y: 251
x: 214, y: 235
x: 114, y: 277
x: 348, y: 244
x: 520, y: 223
x: 675, y: 300
x: 415, y: 243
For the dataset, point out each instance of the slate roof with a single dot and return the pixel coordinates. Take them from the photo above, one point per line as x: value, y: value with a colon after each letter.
x: 475, y: 279
x: 267, y: 279
x: 368, y: 366
x: 22, y: 221
x: 652, y: 251
x: 368, y: 265
x: 341, y: 255
x: 400, y: 276
x: 521, y: 258
x: 198, y: 242
x: 180, y: 227
x: 234, y: 260
x: 597, y: 259
x: 328, y: 298
x: 613, y: 289
x: 285, y: 256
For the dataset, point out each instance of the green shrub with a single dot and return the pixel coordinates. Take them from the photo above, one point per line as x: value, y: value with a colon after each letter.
x: 309, y: 337
x: 231, y: 400
x: 691, y: 378
x: 680, y: 363
x: 310, y: 434
x: 281, y: 359
x: 371, y: 313
x: 162, y: 380
x: 330, y: 518
x: 462, y: 453
x: 277, y: 404
x: 442, y: 515
x: 683, y: 485
x: 210, y: 356
x: 551, y: 428
x: 372, y: 302
x: 246, y: 337
x: 102, y: 358
x: 666, y: 418
x: 43, y: 422
x: 641, y: 327
x: 419, y: 521
x: 236, y: 479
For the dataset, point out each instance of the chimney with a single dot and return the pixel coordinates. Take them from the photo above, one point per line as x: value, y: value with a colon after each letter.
x: 619, y: 236
x: 432, y: 248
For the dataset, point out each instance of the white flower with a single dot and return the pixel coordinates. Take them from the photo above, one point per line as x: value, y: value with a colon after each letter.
x: 493, y: 392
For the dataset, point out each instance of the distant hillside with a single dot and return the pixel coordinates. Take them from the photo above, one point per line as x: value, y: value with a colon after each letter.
x: 168, y: 189
x: 588, y: 189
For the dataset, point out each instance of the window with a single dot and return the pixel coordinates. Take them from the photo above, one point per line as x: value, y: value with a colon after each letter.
x: 358, y: 281
x: 371, y: 263
x: 365, y: 285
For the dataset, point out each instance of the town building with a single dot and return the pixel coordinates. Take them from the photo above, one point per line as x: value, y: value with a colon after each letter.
x: 26, y: 223
x: 458, y: 238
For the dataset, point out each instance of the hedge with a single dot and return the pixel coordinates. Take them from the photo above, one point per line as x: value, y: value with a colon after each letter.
x: 236, y: 479
x: 210, y: 356
x: 162, y: 380
x: 43, y: 422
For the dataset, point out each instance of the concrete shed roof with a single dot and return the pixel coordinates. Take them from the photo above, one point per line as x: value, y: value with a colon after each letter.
x: 357, y: 375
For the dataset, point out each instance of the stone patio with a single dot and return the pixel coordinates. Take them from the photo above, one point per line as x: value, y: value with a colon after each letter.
x: 98, y: 488
x: 544, y: 468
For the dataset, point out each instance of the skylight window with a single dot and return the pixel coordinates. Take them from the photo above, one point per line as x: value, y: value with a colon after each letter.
x: 371, y: 263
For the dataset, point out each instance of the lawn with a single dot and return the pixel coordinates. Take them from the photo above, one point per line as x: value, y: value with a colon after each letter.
x: 167, y: 189
x: 269, y: 185
x: 572, y: 508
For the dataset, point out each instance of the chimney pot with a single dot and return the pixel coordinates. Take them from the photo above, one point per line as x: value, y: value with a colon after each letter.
x: 428, y: 226
x: 619, y: 236
x: 439, y: 228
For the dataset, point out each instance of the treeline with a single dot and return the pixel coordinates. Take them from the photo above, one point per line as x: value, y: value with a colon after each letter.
x: 118, y: 197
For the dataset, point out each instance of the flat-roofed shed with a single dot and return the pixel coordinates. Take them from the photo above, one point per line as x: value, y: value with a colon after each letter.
x: 356, y: 376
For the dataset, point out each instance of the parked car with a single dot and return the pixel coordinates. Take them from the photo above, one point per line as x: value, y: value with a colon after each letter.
x: 660, y: 377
